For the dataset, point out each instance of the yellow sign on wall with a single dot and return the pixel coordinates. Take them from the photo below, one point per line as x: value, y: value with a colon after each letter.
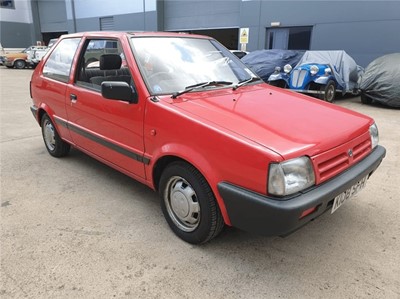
x: 244, y: 35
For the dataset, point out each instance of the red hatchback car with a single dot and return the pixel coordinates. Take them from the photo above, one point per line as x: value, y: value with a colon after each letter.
x: 183, y: 115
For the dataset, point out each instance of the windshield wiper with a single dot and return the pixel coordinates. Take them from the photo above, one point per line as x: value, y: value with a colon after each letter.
x: 200, y: 85
x: 243, y: 82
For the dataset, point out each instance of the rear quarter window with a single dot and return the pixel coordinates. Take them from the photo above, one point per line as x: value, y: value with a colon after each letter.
x: 58, y: 65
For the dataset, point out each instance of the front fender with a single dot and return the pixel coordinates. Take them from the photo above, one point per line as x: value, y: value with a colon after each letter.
x: 323, y: 79
x: 279, y: 76
x: 194, y: 157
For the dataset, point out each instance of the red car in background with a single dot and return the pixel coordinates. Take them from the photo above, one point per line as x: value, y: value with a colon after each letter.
x: 187, y: 118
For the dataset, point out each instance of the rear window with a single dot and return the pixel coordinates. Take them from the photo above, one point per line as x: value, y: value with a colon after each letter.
x: 58, y: 65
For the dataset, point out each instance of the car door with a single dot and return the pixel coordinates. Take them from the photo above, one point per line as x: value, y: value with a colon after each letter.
x: 110, y: 130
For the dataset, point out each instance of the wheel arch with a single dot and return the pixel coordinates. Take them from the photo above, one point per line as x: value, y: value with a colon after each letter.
x: 62, y: 130
x: 165, y: 160
x: 42, y: 110
x: 40, y: 114
x: 323, y: 80
x: 160, y: 165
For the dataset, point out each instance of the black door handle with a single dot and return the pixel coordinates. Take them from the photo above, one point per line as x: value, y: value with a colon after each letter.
x: 73, y: 97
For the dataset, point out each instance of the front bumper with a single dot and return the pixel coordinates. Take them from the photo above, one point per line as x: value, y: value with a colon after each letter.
x: 269, y: 216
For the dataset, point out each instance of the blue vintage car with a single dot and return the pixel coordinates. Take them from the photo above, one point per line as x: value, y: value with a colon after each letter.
x: 321, y: 73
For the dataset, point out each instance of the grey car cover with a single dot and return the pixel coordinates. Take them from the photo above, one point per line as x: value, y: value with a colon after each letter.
x: 381, y: 80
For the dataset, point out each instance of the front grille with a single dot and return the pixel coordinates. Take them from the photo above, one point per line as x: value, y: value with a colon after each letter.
x: 298, y: 77
x: 333, y: 162
x: 333, y: 166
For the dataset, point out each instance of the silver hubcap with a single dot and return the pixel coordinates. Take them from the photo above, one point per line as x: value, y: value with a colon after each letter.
x: 181, y: 203
x: 49, y: 135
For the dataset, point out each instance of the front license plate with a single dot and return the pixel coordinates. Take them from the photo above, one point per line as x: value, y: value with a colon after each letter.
x: 353, y: 190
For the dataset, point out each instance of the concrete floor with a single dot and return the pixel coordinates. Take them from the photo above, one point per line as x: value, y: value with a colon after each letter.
x: 74, y: 228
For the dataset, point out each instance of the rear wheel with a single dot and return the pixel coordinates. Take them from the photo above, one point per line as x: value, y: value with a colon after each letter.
x: 53, y: 142
x: 329, y: 92
x: 189, y: 204
x: 20, y: 64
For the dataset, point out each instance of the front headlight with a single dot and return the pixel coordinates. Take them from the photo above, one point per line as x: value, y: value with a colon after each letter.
x: 314, y: 69
x: 373, y: 132
x: 287, y: 68
x: 290, y: 176
x: 328, y: 71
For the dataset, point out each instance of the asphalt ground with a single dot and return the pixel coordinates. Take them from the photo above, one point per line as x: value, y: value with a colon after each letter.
x: 75, y: 228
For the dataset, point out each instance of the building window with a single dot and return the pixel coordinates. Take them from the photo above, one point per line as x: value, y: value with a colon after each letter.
x: 292, y: 38
x: 7, y: 4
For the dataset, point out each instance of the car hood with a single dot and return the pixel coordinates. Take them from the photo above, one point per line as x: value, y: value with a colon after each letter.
x: 288, y: 123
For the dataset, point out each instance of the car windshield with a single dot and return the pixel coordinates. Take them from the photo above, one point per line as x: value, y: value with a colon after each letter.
x: 170, y: 65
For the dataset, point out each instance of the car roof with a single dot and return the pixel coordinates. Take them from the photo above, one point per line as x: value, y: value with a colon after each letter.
x: 119, y: 34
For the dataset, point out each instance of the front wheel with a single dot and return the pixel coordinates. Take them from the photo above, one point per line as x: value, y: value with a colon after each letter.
x: 189, y: 204
x: 53, y: 142
x: 20, y: 64
x: 329, y: 92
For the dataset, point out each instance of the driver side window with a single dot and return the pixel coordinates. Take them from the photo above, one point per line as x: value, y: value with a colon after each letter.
x: 103, y: 60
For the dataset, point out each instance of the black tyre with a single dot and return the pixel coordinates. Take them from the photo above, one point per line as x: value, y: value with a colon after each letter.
x: 189, y: 204
x: 53, y: 142
x: 329, y: 92
x: 20, y: 64
x: 365, y: 99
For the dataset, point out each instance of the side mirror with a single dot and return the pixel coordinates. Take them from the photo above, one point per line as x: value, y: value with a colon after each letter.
x: 118, y: 90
